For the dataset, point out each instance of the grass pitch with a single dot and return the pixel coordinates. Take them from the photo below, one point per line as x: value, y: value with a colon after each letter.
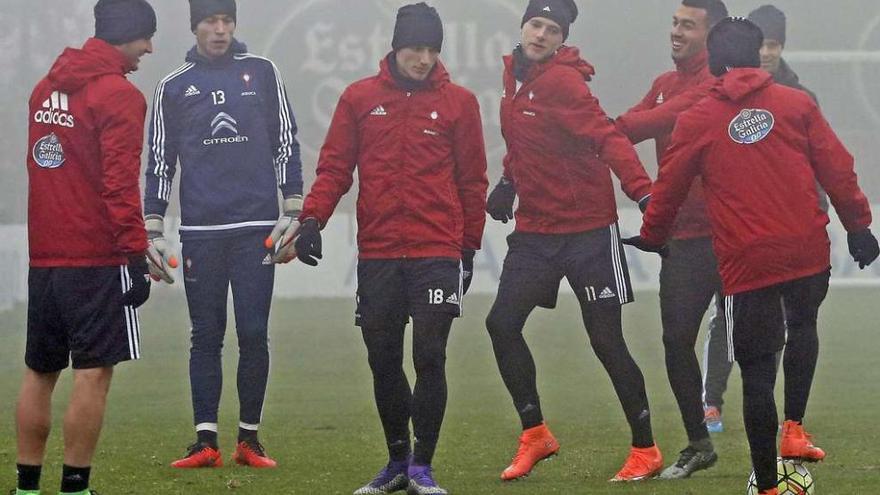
x: 321, y: 425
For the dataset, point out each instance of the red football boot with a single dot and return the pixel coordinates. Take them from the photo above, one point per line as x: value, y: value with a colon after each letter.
x: 199, y: 455
x: 798, y: 444
x: 252, y: 453
x: 640, y: 464
x: 535, y: 445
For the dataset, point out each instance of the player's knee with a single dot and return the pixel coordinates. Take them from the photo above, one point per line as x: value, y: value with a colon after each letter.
x: 498, y: 325
x: 253, y: 341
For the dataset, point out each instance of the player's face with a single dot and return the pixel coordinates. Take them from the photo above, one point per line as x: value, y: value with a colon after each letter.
x: 690, y: 28
x: 134, y: 50
x: 771, y: 53
x: 214, y: 35
x: 417, y: 62
x: 541, y: 37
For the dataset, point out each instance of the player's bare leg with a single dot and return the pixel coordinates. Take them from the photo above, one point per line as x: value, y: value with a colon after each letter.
x: 34, y: 415
x: 85, y: 415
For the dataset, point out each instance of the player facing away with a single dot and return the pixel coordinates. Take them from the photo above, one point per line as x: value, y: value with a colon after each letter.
x: 689, y: 275
x: 88, y: 269
x: 417, y: 142
x: 560, y: 145
x: 225, y: 116
x: 772, y: 22
x: 759, y: 148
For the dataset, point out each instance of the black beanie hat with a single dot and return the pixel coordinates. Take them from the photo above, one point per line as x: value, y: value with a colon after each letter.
x: 417, y: 25
x: 202, y: 9
x: 734, y: 42
x: 771, y: 21
x: 562, y: 12
x: 121, y: 21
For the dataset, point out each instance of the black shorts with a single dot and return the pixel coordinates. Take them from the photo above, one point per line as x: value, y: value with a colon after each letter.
x: 76, y: 315
x: 390, y: 291
x: 593, y: 262
x: 756, y: 319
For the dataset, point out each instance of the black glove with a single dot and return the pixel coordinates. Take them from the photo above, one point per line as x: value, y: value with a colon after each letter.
x: 467, y: 269
x: 500, y: 203
x: 308, y: 242
x: 643, y: 203
x: 863, y: 247
x: 639, y: 243
x: 139, y: 271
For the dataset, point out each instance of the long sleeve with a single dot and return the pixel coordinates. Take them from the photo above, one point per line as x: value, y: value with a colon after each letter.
x: 680, y: 166
x: 470, y: 172
x: 336, y: 164
x: 645, y: 121
x: 834, y: 168
x: 282, y: 132
x: 120, y: 116
x: 163, y: 151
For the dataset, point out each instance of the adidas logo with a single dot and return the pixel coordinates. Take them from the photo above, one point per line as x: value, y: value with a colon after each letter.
x: 57, y: 101
x: 453, y: 299
x: 607, y: 293
x: 380, y: 110
x: 547, y: 9
x: 660, y: 98
x: 267, y: 260
x: 191, y: 91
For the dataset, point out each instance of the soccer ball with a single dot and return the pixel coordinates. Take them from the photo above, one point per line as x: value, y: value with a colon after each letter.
x: 794, y: 479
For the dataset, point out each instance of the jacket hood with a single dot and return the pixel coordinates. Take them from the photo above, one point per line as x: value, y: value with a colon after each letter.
x: 566, y: 55
x: 740, y: 83
x: 75, y: 67
x: 694, y: 64
x: 438, y: 76
x: 235, y: 48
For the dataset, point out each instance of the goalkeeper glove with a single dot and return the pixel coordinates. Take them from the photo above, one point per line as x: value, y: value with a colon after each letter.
x: 160, y: 258
x: 640, y: 244
x: 308, y: 243
x: 139, y: 291
x: 500, y: 203
x: 863, y: 247
x: 467, y: 269
x: 285, y: 228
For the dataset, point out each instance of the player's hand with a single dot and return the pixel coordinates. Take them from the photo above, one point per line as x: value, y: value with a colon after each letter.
x: 139, y: 291
x: 500, y: 203
x: 467, y: 269
x: 281, y: 238
x: 640, y: 244
x: 863, y: 247
x: 160, y: 257
x: 643, y: 203
x: 308, y: 242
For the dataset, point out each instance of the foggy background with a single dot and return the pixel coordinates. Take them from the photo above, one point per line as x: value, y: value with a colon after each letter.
x: 321, y: 46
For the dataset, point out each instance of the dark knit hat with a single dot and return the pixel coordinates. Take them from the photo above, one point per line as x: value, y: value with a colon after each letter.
x: 734, y: 42
x: 417, y: 25
x: 562, y: 12
x: 202, y: 9
x: 120, y: 21
x: 771, y: 21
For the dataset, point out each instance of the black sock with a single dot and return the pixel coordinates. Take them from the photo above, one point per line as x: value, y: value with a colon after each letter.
x: 248, y: 436
x: 74, y: 479
x: 28, y: 476
x: 399, y: 451
x: 423, y: 451
x: 207, y: 437
x: 530, y: 416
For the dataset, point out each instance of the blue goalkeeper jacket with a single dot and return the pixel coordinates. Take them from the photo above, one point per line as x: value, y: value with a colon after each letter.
x: 229, y: 124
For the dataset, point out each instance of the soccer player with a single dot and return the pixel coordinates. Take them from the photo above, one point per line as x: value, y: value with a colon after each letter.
x: 88, y: 269
x: 773, y: 25
x: 689, y: 275
x: 560, y: 145
x: 224, y: 114
x: 417, y: 142
x: 759, y: 148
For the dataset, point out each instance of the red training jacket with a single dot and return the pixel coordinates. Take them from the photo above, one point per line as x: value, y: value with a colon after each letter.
x: 560, y: 145
x: 421, y: 164
x: 84, y: 159
x: 759, y: 148
x: 654, y: 118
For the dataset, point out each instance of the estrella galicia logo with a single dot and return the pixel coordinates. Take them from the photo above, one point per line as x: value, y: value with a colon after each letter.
x: 751, y: 126
x: 48, y: 152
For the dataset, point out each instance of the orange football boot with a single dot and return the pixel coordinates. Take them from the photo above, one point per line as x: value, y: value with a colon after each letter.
x: 535, y: 445
x: 199, y: 455
x: 798, y: 444
x: 252, y: 454
x: 641, y: 464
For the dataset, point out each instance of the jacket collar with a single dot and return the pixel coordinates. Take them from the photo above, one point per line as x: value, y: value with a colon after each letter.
x: 566, y: 56
x: 437, y: 78
x: 235, y: 48
x: 694, y: 64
